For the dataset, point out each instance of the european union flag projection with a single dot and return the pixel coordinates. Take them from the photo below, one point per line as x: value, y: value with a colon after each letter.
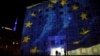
x: 57, y: 26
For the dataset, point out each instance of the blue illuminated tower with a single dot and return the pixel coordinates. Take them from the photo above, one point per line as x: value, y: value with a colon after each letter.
x: 15, y: 25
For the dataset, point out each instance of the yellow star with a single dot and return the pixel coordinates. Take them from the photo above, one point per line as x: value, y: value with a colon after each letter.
x: 50, y: 5
x: 33, y: 14
x: 74, y: 7
x: 28, y: 24
x: 34, y: 50
x: 76, y: 42
x: 84, y: 32
x: 26, y: 39
x: 63, y: 2
x: 83, y: 16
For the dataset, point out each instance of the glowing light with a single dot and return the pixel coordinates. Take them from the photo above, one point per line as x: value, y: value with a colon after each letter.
x: 59, y: 49
x: 2, y: 27
x: 6, y: 28
x: 86, y: 51
x: 16, y: 21
x: 13, y: 43
x: 69, y: 18
x: 83, y: 50
x: 95, y: 50
x: 17, y: 43
x: 39, y: 10
x: 6, y: 46
x: 76, y: 42
x: 53, y: 1
x: 14, y: 28
x: 66, y: 22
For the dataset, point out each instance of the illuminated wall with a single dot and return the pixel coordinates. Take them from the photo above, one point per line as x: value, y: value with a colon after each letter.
x: 93, y: 50
x: 74, y: 19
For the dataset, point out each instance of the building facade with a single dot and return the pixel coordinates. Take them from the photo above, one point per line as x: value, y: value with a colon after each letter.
x: 55, y: 25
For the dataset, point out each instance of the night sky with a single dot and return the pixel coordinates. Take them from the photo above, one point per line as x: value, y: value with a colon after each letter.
x: 9, y: 10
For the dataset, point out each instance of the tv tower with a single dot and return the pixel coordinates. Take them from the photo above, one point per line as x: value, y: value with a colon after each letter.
x: 15, y: 24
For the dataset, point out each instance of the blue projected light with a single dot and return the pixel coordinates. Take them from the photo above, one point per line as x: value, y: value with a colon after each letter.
x: 15, y: 25
x: 63, y: 24
x: 69, y: 18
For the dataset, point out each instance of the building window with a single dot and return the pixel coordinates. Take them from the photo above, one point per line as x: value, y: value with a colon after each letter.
x: 40, y: 16
x: 52, y: 42
x: 69, y: 11
x: 47, y: 10
x: 35, y: 12
x: 87, y: 8
x: 40, y: 11
x: 68, y: 5
x: 77, y: 3
x: 60, y: 7
x: 61, y: 13
x: 62, y: 42
x: 39, y: 23
x: 47, y: 15
x: 83, y: 50
x: 53, y: 8
x: 95, y: 50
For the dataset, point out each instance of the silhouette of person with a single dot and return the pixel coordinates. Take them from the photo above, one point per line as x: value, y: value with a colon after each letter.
x: 57, y: 53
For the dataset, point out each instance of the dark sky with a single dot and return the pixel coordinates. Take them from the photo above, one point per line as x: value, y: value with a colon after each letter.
x: 9, y: 10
